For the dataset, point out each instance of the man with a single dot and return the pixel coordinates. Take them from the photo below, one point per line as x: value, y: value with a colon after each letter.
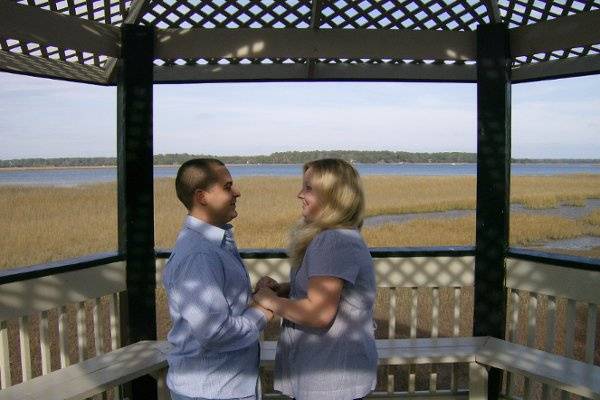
x: 215, y: 328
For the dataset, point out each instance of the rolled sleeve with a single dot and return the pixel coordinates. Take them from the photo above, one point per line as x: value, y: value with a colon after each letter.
x: 198, y: 292
x: 256, y: 316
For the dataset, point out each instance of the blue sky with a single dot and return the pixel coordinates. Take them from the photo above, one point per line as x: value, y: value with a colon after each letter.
x: 45, y: 118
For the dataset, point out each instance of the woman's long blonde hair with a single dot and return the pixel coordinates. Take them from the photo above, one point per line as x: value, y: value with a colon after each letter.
x: 339, y: 188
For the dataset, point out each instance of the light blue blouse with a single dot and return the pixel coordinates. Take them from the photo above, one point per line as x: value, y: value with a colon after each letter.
x: 338, y: 362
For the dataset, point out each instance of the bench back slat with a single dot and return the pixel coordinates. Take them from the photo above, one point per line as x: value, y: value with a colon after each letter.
x: 24, y: 347
x: 81, y: 331
x: 63, y: 343
x: 590, y: 336
x: 550, y: 338
x: 45, y: 342
x: 454, y: 372
x: 5, y: 373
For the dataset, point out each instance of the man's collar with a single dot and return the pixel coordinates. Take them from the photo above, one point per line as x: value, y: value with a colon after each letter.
x: 212, y: 233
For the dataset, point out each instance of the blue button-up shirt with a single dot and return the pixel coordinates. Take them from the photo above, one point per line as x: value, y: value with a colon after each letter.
x: 215, y: 334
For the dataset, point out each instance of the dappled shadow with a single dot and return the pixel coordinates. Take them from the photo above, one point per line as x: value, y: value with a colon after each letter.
x: 418, y: 296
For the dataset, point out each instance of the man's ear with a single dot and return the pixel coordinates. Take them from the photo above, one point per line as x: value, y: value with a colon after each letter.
x: 200, y: 197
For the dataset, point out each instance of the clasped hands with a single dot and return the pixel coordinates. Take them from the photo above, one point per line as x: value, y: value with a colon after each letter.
x: 267, y: 292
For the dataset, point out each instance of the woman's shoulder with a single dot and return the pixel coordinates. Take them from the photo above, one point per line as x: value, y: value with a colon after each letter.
x: 338, y: 236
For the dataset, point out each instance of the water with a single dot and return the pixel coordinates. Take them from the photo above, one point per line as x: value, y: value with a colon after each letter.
x: 82, y: 176
x: 580, y: 243
x: 567, y: 211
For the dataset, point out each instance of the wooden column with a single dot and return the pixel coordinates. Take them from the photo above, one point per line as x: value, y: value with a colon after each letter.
x: 493, y: 185
x: 136, y: 192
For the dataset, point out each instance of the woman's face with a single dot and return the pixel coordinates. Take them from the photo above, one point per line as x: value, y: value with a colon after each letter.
x: 311, y: 203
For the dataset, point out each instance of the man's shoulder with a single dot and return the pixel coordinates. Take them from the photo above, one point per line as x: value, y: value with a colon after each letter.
x: 189, y: 241
x: 189, y: 250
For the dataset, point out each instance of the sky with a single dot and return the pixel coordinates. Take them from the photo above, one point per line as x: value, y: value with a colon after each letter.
x: 48, y: 118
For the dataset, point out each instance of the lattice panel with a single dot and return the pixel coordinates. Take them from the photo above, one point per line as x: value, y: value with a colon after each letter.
x: 267, y: 61
x: 391, y: 61
x: 52, y: 53
x: 230, y: 61
x: 558, y: 55
x: 104, y: 11
x: 229, y: 14
x: 525, y: 12
x: 460, y: 15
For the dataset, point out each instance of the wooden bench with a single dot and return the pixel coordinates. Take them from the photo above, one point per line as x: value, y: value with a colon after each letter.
x: 560, y: 372
x: 97, y: 374
x: 94, y: 375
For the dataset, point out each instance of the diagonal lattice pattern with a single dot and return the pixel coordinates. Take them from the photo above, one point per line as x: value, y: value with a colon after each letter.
x: 52, y: 52
x: 110, y: 12
x: 229, y: 14
x: 557, y: 55
x: 445, y: 15
x: 230, y: 61
x: 304, y: 61
x: 462, y: 15
x: 526, y: 12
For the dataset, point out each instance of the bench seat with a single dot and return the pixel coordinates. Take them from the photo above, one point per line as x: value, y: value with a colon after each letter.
x: 93, y: 376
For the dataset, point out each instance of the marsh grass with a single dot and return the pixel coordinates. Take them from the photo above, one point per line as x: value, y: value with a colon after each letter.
x: 41, y: 224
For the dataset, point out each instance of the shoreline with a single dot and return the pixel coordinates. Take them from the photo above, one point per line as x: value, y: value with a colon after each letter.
x: 51, y: 168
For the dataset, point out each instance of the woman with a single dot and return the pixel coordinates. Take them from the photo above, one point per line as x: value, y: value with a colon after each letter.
x: 327, y: 348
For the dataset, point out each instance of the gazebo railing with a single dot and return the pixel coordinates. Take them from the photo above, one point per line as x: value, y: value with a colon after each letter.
x: 56, y: 314
x: 417, y: 275
x: 552, y: 305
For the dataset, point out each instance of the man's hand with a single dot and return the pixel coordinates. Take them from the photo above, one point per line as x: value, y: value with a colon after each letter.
x: 268, y: 313
x: 266, y: 298
x: 267, y: 282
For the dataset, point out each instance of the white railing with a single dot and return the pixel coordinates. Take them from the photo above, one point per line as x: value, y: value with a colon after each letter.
x: 546, y: 303
x: 418, y: 280
x: 48, y: 322
x: 70, y: 316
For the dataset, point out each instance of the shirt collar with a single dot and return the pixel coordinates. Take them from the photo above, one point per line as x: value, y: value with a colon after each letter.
x: 212, y: 233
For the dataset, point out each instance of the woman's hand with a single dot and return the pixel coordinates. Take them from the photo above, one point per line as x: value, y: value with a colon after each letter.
x: 267, y: 298
x: 267, y: 282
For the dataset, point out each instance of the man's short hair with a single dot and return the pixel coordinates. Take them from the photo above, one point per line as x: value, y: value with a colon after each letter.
x: 194, y: 174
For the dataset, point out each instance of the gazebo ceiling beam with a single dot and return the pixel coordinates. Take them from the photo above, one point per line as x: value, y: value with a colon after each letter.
x: 321, y: 71
x: 575, y: 66
x: 27, y: 23
x: 317, y: 8
x: 48, y: 68
x: 561, y: 33
x: 134, y: 16
x: 308, y: 43
x: 493, y: 10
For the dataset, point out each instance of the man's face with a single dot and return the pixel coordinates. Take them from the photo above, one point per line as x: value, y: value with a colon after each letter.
x: 221, y: 197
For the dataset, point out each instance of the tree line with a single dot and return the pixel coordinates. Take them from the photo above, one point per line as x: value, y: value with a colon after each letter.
x: 286, y: 157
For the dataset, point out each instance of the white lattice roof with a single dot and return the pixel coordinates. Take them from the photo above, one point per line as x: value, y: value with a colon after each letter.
x: 221, y: 40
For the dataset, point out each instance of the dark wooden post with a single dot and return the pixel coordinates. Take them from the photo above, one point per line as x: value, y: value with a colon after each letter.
x: 136, y: 192
x: 493, y: 185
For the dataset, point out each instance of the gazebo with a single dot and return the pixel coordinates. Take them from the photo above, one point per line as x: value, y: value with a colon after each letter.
x: 136, y: 44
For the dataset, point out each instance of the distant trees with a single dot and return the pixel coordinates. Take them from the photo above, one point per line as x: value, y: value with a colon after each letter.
x: 286, y: 157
